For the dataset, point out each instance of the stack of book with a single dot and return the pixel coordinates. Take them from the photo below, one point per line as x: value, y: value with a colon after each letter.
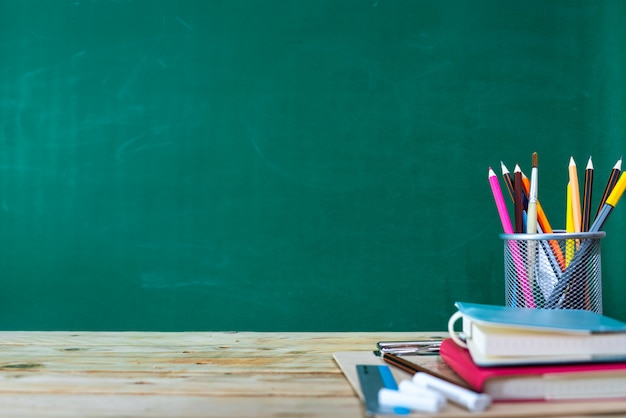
x: 538, y: 354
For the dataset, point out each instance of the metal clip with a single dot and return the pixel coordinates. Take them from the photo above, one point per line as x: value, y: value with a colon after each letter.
x: 424, y: 347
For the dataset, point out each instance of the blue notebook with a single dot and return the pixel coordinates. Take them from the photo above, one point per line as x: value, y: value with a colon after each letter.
x: 566, y: 320
x: 500, y: 335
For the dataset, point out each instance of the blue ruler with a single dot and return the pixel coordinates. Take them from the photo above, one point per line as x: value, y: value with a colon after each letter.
x: 372, y: 378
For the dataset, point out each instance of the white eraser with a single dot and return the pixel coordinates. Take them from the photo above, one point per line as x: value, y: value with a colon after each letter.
x: 395, y: 399
x: 473, y: 401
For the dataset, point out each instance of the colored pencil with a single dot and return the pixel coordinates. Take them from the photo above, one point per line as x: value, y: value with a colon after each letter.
x: 615, y: 172
x: 531, y: 223
x: 575, y: 190
x: 587, y: 193
x: 508, y: 181
x: 586, y: 247
x: 500, y: 204
x: 569, y: 227
x: 611, y: 202
x: 506, y: 175
x: 519, y: 208
x: 508, y: 229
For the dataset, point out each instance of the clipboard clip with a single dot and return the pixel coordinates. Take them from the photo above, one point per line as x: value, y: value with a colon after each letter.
x: 425, y: 347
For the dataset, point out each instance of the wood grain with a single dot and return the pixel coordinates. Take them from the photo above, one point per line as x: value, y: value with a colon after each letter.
x: 101, y: 374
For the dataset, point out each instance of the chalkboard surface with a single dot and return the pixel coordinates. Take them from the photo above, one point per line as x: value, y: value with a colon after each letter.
x: 288, y: 165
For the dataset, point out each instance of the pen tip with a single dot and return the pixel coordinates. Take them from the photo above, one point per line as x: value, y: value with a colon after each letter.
x: 535, y: 158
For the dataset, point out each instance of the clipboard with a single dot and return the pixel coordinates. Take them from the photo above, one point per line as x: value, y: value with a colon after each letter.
x: 348, y: 360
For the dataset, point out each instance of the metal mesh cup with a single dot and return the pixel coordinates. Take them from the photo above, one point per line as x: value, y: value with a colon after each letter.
x: 553, y: 271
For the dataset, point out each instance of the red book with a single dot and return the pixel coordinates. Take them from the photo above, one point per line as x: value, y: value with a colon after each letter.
x: 580, y: 381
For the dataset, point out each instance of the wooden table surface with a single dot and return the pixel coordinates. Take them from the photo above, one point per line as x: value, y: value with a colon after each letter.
x: 196, y: 374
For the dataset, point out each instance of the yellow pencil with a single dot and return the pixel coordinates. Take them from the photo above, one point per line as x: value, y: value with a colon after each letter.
x: 575, y: 191
x: 569, y: 227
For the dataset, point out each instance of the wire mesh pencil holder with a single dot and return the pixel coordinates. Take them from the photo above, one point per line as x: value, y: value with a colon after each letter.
x: 553, y: 271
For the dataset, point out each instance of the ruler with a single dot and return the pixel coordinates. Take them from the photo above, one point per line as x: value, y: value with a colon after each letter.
x: 372, y: 378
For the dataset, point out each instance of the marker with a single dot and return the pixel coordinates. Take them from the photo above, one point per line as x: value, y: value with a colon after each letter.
x: 395, y: 399
x: 474, y: 402
x: 611, y: 202
x: 410, y: 388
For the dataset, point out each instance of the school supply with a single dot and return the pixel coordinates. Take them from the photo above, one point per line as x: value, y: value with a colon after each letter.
x: 539, y: 382
x: 587, y: 195
x: 575, y: 195
x: 425, y: 347
x: 501, y: 335
x: 384, y: 396
x: 531, y: 227
x: 542, y: 273
x: 583, y: 278
x: 372, y: 379
x: 508, y: 229
x: 615, y: 172
x: 347, y: 362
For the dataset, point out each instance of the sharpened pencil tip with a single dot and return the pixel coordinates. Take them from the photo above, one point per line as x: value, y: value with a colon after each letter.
x: 504, y: 169
x: 571, y: 161
x: 535, y: 158
x: 589, y: 164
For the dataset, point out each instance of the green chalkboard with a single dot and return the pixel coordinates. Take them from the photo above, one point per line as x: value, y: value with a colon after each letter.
x: 288, y: 165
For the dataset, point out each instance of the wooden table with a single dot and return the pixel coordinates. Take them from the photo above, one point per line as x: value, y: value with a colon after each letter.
x: 196, y: 374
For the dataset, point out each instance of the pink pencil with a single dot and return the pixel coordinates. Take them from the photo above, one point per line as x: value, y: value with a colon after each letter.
x: 497, y: 195
x: 508, y: 229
